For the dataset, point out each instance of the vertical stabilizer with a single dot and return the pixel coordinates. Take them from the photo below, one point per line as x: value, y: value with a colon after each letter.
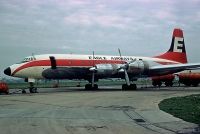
x: 177, y: 50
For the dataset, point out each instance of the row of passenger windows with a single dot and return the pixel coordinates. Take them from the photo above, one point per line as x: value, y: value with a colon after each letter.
x: 27, y: 59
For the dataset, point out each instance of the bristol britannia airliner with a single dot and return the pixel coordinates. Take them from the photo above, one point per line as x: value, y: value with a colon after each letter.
x: 95, y: 67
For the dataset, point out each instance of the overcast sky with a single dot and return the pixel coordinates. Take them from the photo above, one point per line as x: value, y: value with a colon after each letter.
x: 138, y: 27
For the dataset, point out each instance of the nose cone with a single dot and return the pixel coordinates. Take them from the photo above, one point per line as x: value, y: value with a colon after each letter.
x: 7, y: 71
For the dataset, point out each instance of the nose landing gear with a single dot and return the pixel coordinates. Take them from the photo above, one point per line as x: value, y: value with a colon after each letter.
x: 32, y: 89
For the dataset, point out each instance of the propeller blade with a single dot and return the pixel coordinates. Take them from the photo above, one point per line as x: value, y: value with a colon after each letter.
x: 127, y: 78
x: 93, y: 73
x: 124, y: 66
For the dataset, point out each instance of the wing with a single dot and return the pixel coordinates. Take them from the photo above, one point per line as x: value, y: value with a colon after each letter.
x: 166, y: 69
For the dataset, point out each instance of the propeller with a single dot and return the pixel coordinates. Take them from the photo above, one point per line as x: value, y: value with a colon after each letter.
x: 125, y: 68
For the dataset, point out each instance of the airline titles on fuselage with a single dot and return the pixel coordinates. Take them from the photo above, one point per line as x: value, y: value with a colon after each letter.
x: 111, y: 58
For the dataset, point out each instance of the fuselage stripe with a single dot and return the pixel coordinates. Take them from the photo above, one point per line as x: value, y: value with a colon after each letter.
x: 73, y: 63
x: 67, y: 62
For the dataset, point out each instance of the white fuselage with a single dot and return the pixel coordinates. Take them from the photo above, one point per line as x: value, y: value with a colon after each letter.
x: 34, y: 66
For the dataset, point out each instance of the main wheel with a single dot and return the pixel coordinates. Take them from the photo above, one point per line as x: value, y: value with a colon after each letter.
x: 133, y: 87
x: 154, y: 83
x: 33, y: 90
x: 88, y: 87
x: 168, y: 83
x: 124, y: 87
x: 95, y: 87
x: 188, y: 84
x: 195, y: 84
x: 157, y: 83
x: 23, y: 91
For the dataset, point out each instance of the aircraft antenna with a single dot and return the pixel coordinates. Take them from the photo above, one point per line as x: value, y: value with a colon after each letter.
x: 93, y: 58
x: 33, y: 56
x: 93, y: 73
x: 120, y: 54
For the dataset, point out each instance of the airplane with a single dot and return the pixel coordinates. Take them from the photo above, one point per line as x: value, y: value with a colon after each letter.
x: 95, y: 67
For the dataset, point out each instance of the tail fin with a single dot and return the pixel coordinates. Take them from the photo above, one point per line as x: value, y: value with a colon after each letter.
x: 177, y: 50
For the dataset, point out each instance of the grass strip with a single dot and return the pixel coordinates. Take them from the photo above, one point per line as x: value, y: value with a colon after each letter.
x: 186, y: 108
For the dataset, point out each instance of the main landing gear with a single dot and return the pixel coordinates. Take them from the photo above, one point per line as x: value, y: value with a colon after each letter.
x: 129, y: 87
x: 90, y: 87
x: 23, y: 91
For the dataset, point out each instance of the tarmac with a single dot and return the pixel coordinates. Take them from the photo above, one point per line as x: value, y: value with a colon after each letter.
x: 108, y: 110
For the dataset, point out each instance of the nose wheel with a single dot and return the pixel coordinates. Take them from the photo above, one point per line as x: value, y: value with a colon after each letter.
x: 32, y: 89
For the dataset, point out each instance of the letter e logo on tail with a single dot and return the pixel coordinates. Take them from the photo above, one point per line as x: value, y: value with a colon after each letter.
x: 178, y: 45
x: 177, y: 50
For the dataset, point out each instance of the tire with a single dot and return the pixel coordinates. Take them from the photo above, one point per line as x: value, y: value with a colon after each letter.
x: 195, y: 84
x: 23, y: 91
x: 154, y: 83
x: 88, y: 87
x: 124, y: 87
x: 159, y: 84
x: 133, y: 87
x: 168, y: 83
x: 188, y: 84
x: 95, y: 86
x: 33, y: 90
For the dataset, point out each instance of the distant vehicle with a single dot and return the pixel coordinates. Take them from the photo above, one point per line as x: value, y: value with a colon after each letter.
x: 187, y: 78
x: 4, y: 88
x: 95, y: 67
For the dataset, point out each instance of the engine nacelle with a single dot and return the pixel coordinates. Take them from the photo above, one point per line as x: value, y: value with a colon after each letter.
x: 138, y: 67
x: 106, y: 69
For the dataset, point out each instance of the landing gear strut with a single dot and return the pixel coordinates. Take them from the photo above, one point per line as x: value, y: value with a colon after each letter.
x: 32, y: 89
x: 92, y: 85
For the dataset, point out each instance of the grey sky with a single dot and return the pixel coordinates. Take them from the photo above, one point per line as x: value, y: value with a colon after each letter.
x: 138, y: 27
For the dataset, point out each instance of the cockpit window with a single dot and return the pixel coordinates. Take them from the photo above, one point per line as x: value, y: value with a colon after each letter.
x: 27, y: 59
